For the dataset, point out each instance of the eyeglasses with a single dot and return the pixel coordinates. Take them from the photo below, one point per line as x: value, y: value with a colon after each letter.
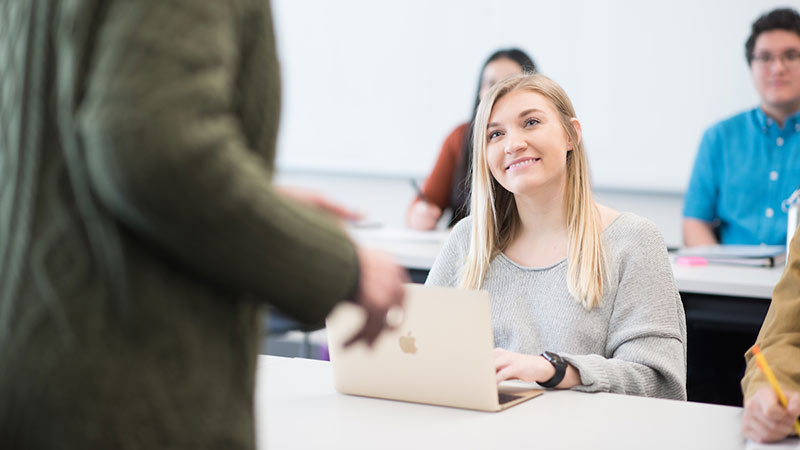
x: 790, y: 59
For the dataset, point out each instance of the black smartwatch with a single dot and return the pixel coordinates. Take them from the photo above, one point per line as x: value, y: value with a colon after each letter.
x: 561, y: 369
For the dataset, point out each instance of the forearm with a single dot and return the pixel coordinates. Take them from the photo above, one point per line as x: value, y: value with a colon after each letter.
x: 571, y: 379
x: 168, y: 157
x: 661, y: 375
x: 779, y: 337
x: 783, y: 354
x: 227, y: 223
x: 697, y: 232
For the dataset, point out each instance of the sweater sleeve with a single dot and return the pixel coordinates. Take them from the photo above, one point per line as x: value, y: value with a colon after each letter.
x: 439, y: 185
x: 646, y: 343
x: 779, y: 338
x: 167, y: 156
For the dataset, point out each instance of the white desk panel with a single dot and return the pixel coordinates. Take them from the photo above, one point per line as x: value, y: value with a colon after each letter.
x: 411, y: 249
x: 298, y: 408
x: 736, y: 281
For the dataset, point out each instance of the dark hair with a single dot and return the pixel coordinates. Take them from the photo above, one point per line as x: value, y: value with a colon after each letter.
x: 514, y: 54
x: 459, y: 195
x: 777, y: 19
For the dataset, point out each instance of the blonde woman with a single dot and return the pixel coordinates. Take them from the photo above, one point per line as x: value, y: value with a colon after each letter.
x: 582, y: 296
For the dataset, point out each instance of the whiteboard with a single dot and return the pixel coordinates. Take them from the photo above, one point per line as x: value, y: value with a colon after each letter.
x: 373, y: 87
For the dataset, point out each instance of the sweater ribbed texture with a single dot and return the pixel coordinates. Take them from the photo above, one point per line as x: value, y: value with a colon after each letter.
x: 139, y: 229
x: 634, y: 342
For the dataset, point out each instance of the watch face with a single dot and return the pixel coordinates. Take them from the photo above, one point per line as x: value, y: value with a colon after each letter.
x: 561, y: 368
x: 554, y: 358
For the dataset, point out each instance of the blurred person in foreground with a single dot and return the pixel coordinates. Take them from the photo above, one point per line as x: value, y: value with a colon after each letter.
x: 139, y: 228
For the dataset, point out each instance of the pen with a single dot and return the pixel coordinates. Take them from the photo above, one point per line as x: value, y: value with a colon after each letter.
x: 762, y: 364
x: 420, y: 194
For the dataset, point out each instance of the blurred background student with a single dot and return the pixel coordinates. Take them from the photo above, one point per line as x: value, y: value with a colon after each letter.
x: 140, y: 231
x: 749, y: 163
x: 447, y: 187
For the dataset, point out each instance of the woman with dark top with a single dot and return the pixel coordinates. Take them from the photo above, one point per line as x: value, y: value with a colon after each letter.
x: 448, y: 184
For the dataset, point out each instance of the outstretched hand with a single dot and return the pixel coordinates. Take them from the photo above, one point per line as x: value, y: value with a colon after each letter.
x: 380, y: 289
x: 320, y: 202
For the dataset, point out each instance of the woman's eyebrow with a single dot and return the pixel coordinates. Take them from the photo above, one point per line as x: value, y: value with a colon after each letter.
x: 528, y: 111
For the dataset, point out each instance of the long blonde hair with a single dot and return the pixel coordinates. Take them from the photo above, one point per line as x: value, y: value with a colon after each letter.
x: 495, y: 220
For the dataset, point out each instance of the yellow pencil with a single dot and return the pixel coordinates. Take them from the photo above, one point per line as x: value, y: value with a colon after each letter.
x: 762, y: 364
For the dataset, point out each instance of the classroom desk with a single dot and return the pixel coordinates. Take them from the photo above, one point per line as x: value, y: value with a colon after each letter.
x: 417, y: 251
x: 414, y: 250
x: 297, y: 407
x: 732, y: 281
x: 725, y: 307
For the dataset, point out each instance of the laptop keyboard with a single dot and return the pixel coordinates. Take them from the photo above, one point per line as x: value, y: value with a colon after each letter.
x: 505, y: 398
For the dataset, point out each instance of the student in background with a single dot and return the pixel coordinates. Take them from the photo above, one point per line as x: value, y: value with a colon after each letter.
x: 448, y: 185
x: 764, y: 419
x: 140, y: 231
x: 748, y: 164
x: 582, y: 296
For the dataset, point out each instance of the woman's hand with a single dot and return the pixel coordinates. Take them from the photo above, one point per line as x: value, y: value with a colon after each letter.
x: 517, y: 366
x: 423, y: 215
x: 765, y: 420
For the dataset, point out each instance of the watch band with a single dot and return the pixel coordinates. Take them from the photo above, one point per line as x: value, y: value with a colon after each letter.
x: 560, y: 366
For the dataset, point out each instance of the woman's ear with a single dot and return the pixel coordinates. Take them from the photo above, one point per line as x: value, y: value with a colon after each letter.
x: 578, y: 133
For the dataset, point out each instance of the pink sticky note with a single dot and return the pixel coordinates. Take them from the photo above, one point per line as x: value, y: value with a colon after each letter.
x: 691, y: 261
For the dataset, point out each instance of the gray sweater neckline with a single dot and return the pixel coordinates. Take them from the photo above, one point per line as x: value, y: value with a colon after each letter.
x: 502, y: 256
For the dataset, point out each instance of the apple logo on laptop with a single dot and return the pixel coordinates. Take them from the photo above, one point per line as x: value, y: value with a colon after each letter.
x: 407, y: 343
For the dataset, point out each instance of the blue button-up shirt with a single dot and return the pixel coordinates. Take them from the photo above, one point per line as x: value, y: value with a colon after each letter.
x: 745, y: 167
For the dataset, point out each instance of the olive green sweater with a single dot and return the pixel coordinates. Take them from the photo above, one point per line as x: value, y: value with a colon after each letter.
x: 139, y: 230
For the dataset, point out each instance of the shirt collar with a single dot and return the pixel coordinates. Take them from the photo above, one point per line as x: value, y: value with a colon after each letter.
x: 793, y: 122
x: 765, y: 122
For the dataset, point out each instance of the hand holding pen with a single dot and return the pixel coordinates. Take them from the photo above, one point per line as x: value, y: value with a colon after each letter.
x: 770, y: 414
x: 422, y: 215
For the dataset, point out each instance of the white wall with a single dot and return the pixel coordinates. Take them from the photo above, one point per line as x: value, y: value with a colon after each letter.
x: 372, y: 87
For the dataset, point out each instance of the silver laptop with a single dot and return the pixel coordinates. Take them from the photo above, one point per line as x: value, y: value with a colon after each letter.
x: 440, y: 355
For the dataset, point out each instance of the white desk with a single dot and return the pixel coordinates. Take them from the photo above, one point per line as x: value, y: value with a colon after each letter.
x: 412, y: 249
x: 418, y: 250
x: 297, y: 408
x: 755, y: 282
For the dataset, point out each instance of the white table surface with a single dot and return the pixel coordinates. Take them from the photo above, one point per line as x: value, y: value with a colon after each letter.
x: 297, y: 408
x: 412, y: 249
x: 418, y: 250
x: 735, y: 281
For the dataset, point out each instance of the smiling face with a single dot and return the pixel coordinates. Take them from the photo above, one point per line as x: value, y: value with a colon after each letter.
x: 777, y: 82
x: 526, y: 145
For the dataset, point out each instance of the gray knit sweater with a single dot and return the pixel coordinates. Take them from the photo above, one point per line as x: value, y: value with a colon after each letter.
x: 634, y: 342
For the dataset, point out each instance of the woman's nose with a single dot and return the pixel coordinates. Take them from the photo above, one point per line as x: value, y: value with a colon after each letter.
x: 514, y: 144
